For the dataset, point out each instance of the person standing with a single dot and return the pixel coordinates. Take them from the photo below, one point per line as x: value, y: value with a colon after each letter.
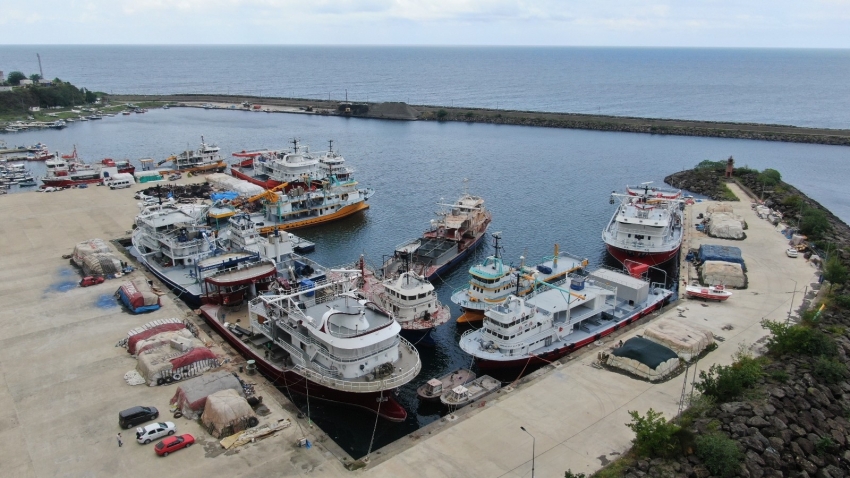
x: 120, y: 442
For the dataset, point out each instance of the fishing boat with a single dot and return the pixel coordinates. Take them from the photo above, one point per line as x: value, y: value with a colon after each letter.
x: 652, y: 191
x: 462, y: 395
x: 203, y: 266
x: 460, y: 229
x: 645, y: 228
x: 69, y: 170
x: 713, y: 292
x: 492, y: 281
x: 327, y: 200
x: 549, y: 324
x: 247, y: 157
x: 205, y: 159
x: 434, y: 388
x: 410, y: 298
x: 292, y: 167
x: 324, y: 342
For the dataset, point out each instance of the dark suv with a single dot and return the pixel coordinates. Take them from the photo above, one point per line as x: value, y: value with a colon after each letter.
x: 133, y: 416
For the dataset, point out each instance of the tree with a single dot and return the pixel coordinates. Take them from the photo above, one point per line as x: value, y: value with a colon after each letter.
x: 654, y: 435
x: 15, y: 78
x: 814, y: 223
x: 770, y: 177
x: 35, y: 77
x: 834, y: 271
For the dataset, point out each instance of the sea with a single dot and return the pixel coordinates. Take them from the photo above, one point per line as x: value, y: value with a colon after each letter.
x: 543, y: 186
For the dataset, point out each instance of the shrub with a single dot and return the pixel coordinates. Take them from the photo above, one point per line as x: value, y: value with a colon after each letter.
x: 824, y: 445
x: 770, y: 177
x: 842, y: 301
x: 441, y: 114
x: 814, y: 223
x: 470, y: 115
x: 780, y: 376
x: 654, y: 435
x: 834, y: 271
x: 798, y: 339
x: 725, y: 383
x: 793, y: 201
x: 719, y: 453
x: 711, y: 165
x: 829, y: 370
x: 570, y: 474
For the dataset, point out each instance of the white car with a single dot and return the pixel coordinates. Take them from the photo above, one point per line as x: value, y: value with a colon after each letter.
x: 149, y: 433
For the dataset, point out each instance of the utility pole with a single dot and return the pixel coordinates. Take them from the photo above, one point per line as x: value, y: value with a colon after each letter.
x: 40, y: 71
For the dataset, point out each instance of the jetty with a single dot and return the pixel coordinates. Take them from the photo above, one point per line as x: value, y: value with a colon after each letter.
x: 596, y: 122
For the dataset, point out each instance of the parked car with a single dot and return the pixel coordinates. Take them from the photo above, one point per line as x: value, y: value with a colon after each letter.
x: 134, y: 416
x: 91, y: 280
x: 172, y: 444
x: 149, y: 433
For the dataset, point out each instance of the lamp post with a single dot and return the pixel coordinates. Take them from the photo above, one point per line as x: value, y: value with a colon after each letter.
x: 532, y: 449
x: 791, y: 307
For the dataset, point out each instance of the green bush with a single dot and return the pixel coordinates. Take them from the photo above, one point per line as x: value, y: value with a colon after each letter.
x: 842, y: 301
x: 814, y: 223
x: 570, y: 474
x: 711, y: 165
x: 793, y: 201
x: 654, y: 435
x: 829, y: 370
x: 469, y: 115
x: 441, y: 114
x: 770, y: 177
x: 834, y: 271
x: 720, y: 454
x: 780, y: 376
x: 725, y: 383
x: 798, y: 339
x: 824, y: 445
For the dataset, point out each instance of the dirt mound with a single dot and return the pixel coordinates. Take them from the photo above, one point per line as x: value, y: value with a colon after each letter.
x: 393, y: 110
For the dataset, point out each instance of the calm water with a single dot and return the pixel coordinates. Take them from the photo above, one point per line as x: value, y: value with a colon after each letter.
x: 799, y: 87
x: 544, y: 186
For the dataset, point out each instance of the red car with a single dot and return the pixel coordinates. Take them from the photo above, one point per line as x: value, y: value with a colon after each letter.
x: 89, y: 280
x: 172, y: 444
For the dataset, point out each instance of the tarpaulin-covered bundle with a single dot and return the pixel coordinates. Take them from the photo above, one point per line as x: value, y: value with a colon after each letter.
x: 138, y: 296
x: 83, y: 249
x: 162, y: 338
x: 713, y: 252
x: 227, y: 412
x: 718, y: 207
x: 226, y: 195
x: 687, y: 340
x: 166, y: 364
x: 726, y: 225
x: 726, y: 273
x: 133, y: 340
x: 191, y: 395
x: 101, y: 264
x: 225, y: 181
x: 644, y: 358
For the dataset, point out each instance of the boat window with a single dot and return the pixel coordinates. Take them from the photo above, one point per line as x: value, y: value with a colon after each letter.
x: 422, y: 296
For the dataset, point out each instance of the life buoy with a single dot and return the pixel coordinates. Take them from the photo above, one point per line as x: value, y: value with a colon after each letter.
x: 560, y: 329
x: 178, y: 414
x: 177, y: 377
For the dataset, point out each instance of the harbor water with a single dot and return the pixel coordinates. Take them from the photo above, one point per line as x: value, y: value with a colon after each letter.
x: 543, y: 186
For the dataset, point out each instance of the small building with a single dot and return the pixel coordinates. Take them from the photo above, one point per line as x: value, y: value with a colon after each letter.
x: 5, y: 89
x: 44, y: 82
x: 25, y: 83
x: 34, y: 108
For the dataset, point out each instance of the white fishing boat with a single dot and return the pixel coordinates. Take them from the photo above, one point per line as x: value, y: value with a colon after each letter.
x: 646, y: 228
x: 477, y: 389
x: 492, y: 281
x: 713, y: 292
x: 205, y: 159
x: 552, y: 323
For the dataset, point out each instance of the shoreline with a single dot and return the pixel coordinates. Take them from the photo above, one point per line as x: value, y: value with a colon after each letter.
x: 623, y: 124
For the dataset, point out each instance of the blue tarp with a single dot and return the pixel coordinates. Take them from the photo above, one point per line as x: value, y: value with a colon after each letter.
x: 713, y: 252
x: 229, y: 195
x: 137, y: 310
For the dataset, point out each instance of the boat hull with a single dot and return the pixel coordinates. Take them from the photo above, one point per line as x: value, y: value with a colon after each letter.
x: 314, y: 221
x: 648, y: 258
x: 439, y: 271
x: 265, y: 184
x: 385, y: 405
x: 705, y: 294
x: 419, y: 337
x: 555, y: 354
x: 70, y: 181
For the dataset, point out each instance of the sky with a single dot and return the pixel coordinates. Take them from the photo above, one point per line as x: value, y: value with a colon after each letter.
x: 683, y: 23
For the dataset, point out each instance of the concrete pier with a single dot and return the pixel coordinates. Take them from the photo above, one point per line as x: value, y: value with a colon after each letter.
x: 62, y: 384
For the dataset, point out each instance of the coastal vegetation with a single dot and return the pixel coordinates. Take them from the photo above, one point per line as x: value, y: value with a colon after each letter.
x: 16, y: 104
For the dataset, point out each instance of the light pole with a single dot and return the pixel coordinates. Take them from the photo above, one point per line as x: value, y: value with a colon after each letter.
x: 791, y: 307
x: 532, y: 449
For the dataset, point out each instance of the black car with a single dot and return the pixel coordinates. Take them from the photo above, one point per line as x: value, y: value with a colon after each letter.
x: 133, y: 416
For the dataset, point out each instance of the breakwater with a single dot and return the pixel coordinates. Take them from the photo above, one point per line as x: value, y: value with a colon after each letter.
x: 402, y: 111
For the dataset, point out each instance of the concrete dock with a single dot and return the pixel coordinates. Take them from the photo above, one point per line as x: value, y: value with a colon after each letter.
x: 62, y: 376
